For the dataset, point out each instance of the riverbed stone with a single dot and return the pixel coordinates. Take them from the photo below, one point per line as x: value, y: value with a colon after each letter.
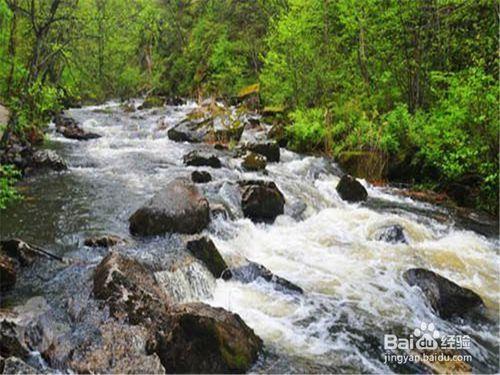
x: 106, y: 241
x: 47, y: 160
x: 179, y: 207
x: 199, y: 159
x: 201, y: 177
x: 253, y: 271
x: 119, y: 349
x: 8, y: 273
x: 270, y: 149
x: 254, y: 162
x: 393, y: 234
x: 69, y: 128
x: 152, y: 102
x: 261, y: 201
x: 14, y: 365
x: 190, y: 130
x: 197, y: 338
x: 129, y: 289
x: 351, y: 190
x: 26, y: 328
x: 444, y: 296
x: 20, y: 251
x: 203, y: 249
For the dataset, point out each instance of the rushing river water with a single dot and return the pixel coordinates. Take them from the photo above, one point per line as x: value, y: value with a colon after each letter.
x: 353, y: 289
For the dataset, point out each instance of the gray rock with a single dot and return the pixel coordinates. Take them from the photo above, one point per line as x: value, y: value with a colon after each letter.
x: 445, y: 297
x: 351, y: 190
x: 179, y: 207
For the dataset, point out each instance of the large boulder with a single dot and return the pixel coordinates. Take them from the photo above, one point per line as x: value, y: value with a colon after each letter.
x: 197, y: 338
x: 118, y: 349
x: 351, y: 190
x: 190, y: 130
x: 203, y: 249
x: 27, y: 328
x: 8, y: 272
x: 445, y: 297
x: 253, y: 271
x: 254, y: 162
x: 179, y: 207
x: 14, y: 365
x: 201, y: 159
x: 129, y: 289
x: 261, y: 200
x: 271, y: 150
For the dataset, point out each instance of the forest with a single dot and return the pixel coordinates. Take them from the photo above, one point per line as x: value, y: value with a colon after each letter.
x: 410, y: 85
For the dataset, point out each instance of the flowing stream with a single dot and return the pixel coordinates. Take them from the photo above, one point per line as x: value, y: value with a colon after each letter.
x: 354, y: 292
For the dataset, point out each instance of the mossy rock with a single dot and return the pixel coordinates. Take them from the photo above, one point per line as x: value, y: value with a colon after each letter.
x: 198, y: 338
x: 152, y: 102
x: 249, y: 90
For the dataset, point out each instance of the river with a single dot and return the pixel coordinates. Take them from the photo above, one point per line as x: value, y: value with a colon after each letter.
x: 354, y: 293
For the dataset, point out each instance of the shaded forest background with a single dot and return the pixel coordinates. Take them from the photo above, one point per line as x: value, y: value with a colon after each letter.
x: 411, y: 83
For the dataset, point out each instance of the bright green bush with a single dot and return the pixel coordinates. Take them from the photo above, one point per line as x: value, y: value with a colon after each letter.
x: 8, y: 177
x: 307, y: 131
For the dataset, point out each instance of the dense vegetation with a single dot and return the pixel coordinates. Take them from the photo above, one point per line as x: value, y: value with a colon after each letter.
x: 414, y: 82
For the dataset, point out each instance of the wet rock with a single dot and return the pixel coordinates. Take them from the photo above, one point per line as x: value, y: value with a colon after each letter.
x: 278, y: 134
x: 175, y: 101
x: 179, y: 207
x: 47, y: 159
x: 8, y: 273
x: 201, y: 177
x: 219, y: 210
x: 261, y: 200
x: 200, y: 159
x: 444, y: 296
x: 118, y: 349
x: 203, y: 249
x: 69, y: 128
x: 271, y: 150
x: 190, y: 130
x: 103, y: 241
x: 392, y: 234
x: 128, y: 107
x: 254, y: 162
x: 252, y: 271
x: 13, y: 365
x: 152, y: 102
x: 198, y: 338
x: 26, y: 328
x: 129, y: 289
x: 22, y: 252
x: 351, y: 190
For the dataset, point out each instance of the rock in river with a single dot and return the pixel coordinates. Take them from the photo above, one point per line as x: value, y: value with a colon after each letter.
x: 199, y: 159
x: 197, y: 338
x: 271, y: 150
x: 444, y: 296
x: 129, y: 289
x: 69, y: 128
x: 103, y: 241
x: 351, y: 190
x: 252, y: 271
x: 179, y: 207
x: 204, y: 250
x: 392, y: 234
x: 261, y: 200
x: 26, y: 328
x: 47, y: 160
x: 8, y: 272
x: 201, y: 177
x: 254, y: 162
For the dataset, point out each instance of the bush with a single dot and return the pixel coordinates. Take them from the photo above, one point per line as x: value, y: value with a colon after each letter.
x: 307, y: 131
x: 8, y: 176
